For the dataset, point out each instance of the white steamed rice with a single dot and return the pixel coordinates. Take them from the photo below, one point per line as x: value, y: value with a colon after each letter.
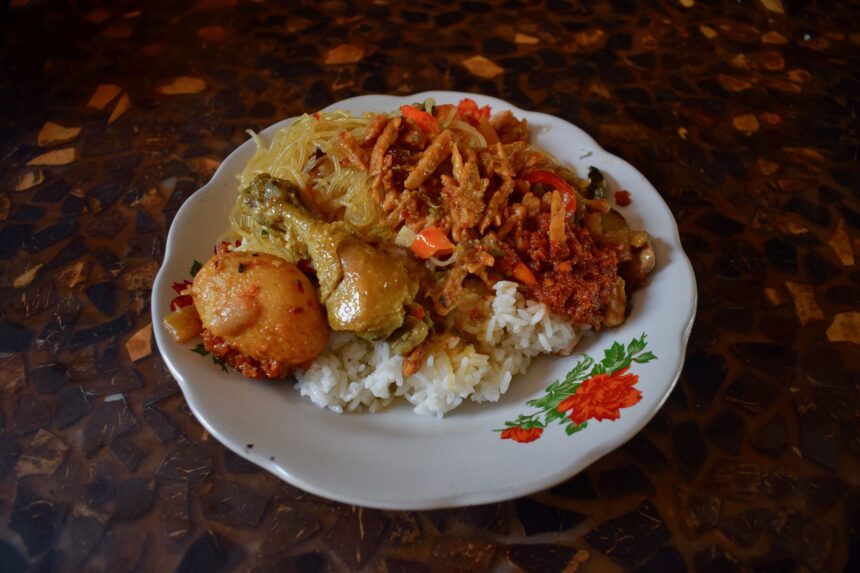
x: 353, y: 374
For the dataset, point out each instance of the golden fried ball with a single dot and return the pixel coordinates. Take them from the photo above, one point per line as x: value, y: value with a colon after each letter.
x: 260, y: 313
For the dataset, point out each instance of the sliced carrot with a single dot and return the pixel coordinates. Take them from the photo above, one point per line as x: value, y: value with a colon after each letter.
x: 431, y: 241
x: 424, y: 120
x: 469, y: 111
x: 524, y: 274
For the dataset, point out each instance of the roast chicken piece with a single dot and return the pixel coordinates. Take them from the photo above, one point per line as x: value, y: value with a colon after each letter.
x: 363, y: 288
x: 259, y: 313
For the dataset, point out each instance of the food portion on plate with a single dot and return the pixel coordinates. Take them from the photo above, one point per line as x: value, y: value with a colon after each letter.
x: 427, y: 253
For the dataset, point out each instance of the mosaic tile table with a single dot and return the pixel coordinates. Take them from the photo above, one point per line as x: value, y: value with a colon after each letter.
x: 743, y: 114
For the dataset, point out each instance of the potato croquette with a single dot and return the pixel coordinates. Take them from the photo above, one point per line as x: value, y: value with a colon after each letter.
x: 260, y: 313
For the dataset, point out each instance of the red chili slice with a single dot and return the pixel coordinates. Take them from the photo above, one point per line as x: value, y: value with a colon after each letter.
x: 551, y: 179
x: 181, y: 301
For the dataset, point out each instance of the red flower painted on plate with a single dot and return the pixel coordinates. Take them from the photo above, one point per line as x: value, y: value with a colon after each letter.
x: 522, y: 435
x: 602, y: 396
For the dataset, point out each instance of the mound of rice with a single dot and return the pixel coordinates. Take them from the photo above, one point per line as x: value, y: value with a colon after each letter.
x: 353, y: 374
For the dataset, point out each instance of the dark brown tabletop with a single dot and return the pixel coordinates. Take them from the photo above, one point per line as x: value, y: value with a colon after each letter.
x: 743, y: 114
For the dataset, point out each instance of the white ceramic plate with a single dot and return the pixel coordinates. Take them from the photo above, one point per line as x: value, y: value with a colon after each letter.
x: 400, y: 460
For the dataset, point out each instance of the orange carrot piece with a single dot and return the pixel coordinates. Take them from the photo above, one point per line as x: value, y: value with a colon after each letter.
x: 424, y: 120
x: 431, y: 241
x: 524, y: 274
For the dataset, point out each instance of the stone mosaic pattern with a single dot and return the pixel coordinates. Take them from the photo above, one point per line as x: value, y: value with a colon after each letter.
x: 742, y: 113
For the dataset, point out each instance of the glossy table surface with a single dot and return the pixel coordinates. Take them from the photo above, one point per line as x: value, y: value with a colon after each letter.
x: 742, y: 114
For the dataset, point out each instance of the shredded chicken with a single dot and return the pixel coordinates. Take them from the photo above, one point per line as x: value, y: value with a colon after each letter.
x: 474, y: 260
x: 412, y: 136
x: 448, y: 292
x: 383, y: 180
x: 457, y: 163
x: 383, y: 143
x: 557, y: 239
x: 463, y: 194
x: 413, y: 361
x: 403, y: 207
x: 354, y: 153
x: 517, y: 216
x: 509, y: 128
x: 436, y: 153
x: 493, y: 214
x: 371, y: 134
x: 495, y: 161
x: 531, y: 204
x: 523, y: 158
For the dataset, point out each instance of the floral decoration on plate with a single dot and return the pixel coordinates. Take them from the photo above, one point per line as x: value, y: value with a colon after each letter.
x: 590, y: 391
